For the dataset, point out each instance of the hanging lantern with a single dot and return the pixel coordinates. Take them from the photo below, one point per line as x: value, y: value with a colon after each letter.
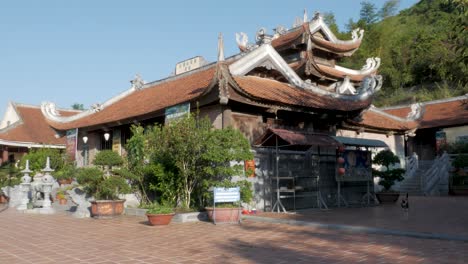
x: 341, y: 171
x: 340, y: 160
x: 341, y: 149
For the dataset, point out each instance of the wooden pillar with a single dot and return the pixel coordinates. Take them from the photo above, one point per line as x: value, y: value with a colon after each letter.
x: 227, y: 116
x: 5, y: 154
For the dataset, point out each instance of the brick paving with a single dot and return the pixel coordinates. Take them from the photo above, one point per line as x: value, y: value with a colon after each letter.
x: 442, y: 215
x: 26, y: 238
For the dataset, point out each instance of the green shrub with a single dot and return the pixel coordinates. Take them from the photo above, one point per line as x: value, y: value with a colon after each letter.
x: 156, y: 208
x: 182, y: 160
x: 100, y: 186
x: 68, y: 171
x: 9, y: 175
x: 38, y: 157
x: 388, y: 177
x: 108, y: 158
x: 461, y: 161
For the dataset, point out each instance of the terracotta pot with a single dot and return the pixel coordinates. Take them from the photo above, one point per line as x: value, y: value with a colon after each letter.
x: 65, y: 181
x: 224, y: 214
x: 3, y: 199
x: 63, y: 201
x: 107, y: 208
x: 387, y: 197
x: 159, y: 219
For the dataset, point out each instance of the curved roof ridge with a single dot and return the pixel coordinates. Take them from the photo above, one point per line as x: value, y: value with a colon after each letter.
x: 444, y: 100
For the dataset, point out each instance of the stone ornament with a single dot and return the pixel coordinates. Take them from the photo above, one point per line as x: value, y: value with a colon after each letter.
x: 137, y: 82
x: 81, y: 200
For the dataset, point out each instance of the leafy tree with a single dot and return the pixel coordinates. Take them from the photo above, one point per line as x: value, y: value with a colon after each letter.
x: 388, y: 176
x: 368, y: 13
x: 423, y: 53
x: 100, y: 185
x: 329, y: 19
x: 9, y: 175
x: 188, y: 156
x: 38, y: 158
x: 389, y: 8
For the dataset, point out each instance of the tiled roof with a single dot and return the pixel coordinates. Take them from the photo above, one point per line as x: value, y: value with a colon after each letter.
x: 441, y: 113
x: 32, y: 128
x: 282, y: 93
x: 377, y: 119
x: 148, y: 100
x: 336, y: 46
x: 288, y: 37
x: 399, y: 112
x: 445, y: 114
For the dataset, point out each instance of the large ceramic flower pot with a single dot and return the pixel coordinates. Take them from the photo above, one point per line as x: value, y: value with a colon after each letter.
x: 387, y: 197
x: 159, y: 219
x: 224, y: 214
x: 65, y: 181
x: 107, y: 208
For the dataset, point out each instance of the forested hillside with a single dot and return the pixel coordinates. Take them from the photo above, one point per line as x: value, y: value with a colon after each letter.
x: 423, y: 49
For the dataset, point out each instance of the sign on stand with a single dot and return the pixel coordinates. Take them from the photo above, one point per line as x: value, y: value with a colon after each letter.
x: 225, y: 195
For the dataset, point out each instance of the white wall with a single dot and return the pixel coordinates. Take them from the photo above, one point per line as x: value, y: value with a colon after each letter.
x: 453, y: 133
x: 10, y: 115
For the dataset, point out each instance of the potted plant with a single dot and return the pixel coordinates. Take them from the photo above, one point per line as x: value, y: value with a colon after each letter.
x: 61, y: 197
x: 159, y: 214
x: 104, y: 185
x: 387, y: 176
x: 227, y: 212
x: 66, y: 174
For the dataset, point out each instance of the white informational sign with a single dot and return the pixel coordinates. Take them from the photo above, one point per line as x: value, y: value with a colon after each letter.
x: 226, y: 195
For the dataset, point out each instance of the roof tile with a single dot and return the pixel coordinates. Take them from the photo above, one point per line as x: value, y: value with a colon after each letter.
x: 33, y: 127
x: 278, y: 92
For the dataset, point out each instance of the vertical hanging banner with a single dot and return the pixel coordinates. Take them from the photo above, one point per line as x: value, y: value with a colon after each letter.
x: 116, y: 141
x: 72, y: 137
x: 176, y: 111
x: 249, y: 167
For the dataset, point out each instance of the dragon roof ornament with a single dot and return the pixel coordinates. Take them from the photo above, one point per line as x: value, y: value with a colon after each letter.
x: 416, y: 113
x: 49, y: 110
x: 371, y: 66
x: 137, y: 82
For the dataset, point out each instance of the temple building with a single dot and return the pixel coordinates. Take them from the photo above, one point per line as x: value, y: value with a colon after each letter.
x: 287, y: 93
x: 289, y: 80
x: 23, y: 128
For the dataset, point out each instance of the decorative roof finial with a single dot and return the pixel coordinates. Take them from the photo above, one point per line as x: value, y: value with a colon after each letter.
x: 305, y: 16
x: 137, y: 82
x: 220, y: 47
x: 317, y: 15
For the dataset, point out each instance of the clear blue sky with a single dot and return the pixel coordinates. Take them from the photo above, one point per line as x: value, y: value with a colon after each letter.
x: 87, y: 51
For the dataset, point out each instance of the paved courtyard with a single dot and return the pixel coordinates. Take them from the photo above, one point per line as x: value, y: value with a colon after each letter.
x: 27, y: 238
x: 446, y: 215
